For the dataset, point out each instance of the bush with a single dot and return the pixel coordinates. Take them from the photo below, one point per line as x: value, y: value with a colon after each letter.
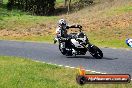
x: 81, y: 4
x: 36, y: 7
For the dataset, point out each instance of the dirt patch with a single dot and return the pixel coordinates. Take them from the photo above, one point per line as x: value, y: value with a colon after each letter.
x: 41, y: 29
x: 117, y: 22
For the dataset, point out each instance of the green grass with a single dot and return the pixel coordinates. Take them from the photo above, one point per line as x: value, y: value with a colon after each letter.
x: 125, y: 8
x: 119, y: 10
x: 17, y: 20
x: 5, y: 1
x: 115, y: 43
x: 110, y: 37
x: 24, y: 73
x: 48, y: 39
x: 62, y: 2
x: 59, y: 1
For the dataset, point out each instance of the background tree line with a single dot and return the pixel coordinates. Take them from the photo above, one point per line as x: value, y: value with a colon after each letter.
x: 1, y: 1
x: 36, y: 7
x: 44, y: 7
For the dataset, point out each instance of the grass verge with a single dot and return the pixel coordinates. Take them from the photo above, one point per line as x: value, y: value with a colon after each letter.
x: 24, y: 73
x: 48, y: 39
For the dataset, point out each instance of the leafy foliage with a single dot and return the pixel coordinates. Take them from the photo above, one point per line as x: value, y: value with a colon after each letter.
x: 36, y: 7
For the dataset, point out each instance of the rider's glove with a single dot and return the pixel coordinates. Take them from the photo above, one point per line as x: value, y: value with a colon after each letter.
x: 79, y: 26
x: 55, y: 40
x: 67, y: 27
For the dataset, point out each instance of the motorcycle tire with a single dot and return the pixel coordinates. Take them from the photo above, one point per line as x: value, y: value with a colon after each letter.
x: 96, y: 52
x: 63, y: 50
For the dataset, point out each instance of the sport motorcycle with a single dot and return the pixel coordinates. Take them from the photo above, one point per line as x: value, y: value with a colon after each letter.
x: 78, y: 44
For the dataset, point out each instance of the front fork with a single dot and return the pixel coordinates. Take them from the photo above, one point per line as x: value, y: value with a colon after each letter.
x: 62, y: 44
x: 87, y: 45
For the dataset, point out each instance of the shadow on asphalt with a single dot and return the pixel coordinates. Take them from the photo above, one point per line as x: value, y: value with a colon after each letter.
x: 90, y: 57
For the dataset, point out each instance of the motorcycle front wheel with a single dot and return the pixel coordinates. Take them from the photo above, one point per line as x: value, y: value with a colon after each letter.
x: 96, y: 52
x: 63, y: 50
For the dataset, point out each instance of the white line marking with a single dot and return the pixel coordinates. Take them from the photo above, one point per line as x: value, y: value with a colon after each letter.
x: 43, y: 62
x: 70, y: 67
x: 98, y: 72
x: 60, y: 65
x: 49, y: 63
x: 67, y: 66
x: 36, y: 61
x: 93, y: 71
x: 54, y: 64
x: 88, y: 70
x: 114, y: 48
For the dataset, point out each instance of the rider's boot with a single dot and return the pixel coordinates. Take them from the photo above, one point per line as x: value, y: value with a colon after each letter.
x: 74, y: 53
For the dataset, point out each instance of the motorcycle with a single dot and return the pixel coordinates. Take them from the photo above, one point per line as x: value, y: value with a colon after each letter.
x: 78, y: 44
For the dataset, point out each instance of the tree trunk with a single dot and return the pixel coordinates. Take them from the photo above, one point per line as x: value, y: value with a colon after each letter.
x: 65, y: 3
x: 69, y: 5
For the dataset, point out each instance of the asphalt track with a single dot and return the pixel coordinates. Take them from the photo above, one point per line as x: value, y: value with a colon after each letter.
x: 117, y: 61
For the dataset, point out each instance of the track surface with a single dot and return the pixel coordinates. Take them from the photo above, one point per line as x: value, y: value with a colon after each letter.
x: 114, y: 61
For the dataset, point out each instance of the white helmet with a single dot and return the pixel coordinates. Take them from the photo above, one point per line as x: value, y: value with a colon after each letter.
x: 62, y: 23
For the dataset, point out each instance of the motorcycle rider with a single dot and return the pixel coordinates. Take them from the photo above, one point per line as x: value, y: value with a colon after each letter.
x: 61, y: 32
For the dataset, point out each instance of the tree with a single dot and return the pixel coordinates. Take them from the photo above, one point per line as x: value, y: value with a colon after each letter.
x: 1, y: 1
x: 65, y: 3
x: 35, y: 7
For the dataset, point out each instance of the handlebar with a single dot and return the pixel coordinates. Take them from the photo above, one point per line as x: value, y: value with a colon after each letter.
x: 76, y: 26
